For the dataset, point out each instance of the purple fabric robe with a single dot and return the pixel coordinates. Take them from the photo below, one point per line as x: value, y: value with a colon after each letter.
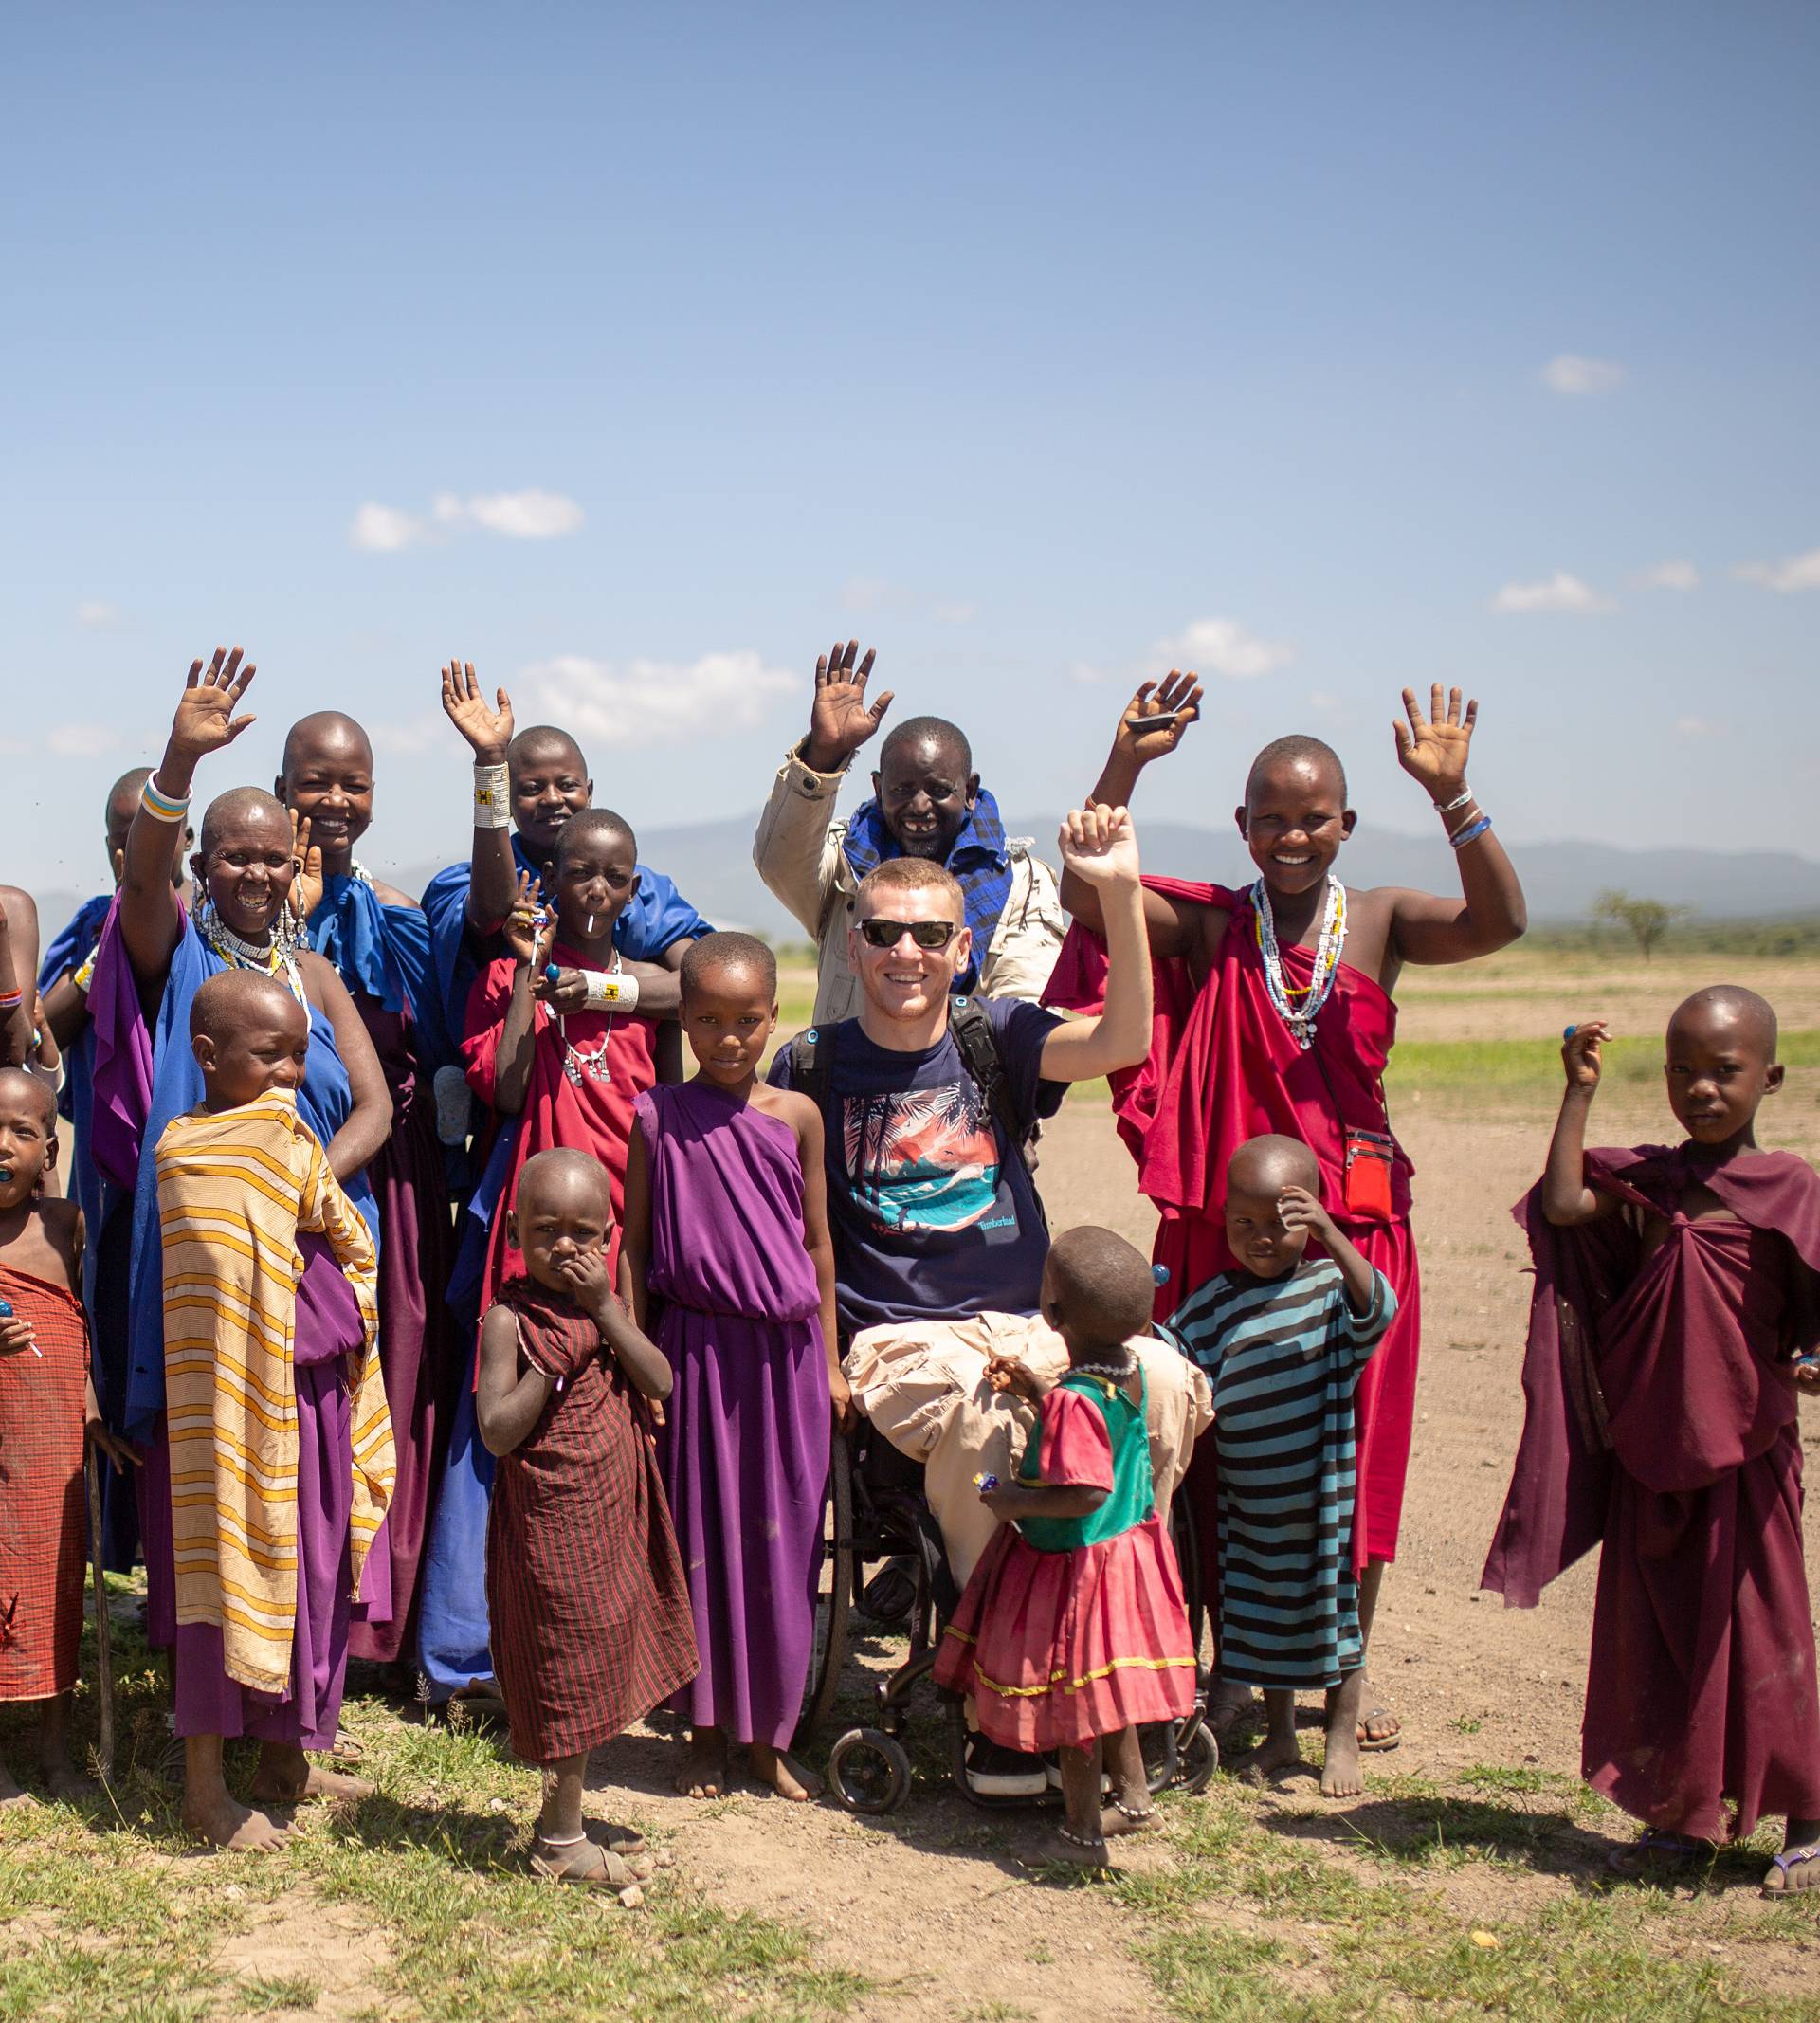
x: 745, y: 1449
x: 1662, y: 1421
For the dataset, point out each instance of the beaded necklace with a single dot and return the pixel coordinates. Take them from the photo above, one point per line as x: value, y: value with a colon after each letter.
x: 1301, y: 1018
x: 590, y: 1065
x: 278, y: 958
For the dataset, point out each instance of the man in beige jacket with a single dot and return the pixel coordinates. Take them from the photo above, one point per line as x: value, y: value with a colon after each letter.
x: 926, y: 802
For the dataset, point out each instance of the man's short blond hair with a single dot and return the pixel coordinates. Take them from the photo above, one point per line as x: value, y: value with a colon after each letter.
x: 912, y: 874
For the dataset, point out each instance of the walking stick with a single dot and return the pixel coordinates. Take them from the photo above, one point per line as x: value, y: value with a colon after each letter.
x: 104, y: 1626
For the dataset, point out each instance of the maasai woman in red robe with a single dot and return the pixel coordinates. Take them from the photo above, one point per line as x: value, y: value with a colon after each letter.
x: 1675, y: 1311
x: 570, y: 1072
x: 1274, y: 1014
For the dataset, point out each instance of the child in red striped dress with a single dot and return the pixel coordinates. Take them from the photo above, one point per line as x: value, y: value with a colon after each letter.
x: 585, y: 1586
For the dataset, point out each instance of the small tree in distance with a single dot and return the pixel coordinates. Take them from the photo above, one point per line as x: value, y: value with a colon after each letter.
x: 1646, y: 920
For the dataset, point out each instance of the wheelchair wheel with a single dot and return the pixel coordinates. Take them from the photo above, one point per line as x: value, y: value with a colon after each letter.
x: 1197, y: 1757
x: 869, y: 1770
x: 834, y: 1600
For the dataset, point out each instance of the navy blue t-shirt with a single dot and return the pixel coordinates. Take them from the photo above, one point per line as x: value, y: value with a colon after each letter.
x: 935, y: 1217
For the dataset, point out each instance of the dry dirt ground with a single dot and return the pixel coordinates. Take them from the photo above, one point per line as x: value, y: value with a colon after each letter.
x: 938, y: 1906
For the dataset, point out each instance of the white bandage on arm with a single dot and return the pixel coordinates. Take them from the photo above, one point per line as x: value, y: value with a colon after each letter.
x: 610, y: 990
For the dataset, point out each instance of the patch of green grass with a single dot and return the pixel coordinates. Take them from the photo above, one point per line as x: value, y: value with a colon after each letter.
x: 1490, y: 1069
x: 1467, y: 1724
x: 280, y: 1992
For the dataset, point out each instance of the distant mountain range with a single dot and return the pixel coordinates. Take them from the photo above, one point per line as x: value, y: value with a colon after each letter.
x: 711, y: 861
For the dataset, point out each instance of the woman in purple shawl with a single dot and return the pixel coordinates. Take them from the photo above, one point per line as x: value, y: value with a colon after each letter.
x: 1674, y: 1315
x: 731, y: 1265
x: 153, y: 958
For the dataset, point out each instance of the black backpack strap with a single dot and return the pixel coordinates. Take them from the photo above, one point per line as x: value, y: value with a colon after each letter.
x: 811, y: 1066
x: 978, y: 1042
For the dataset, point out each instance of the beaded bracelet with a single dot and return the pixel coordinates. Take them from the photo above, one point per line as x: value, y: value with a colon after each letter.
x: 160, y: 806
x: 1471, y: 833
x: 492, y: 797
x: 11, y: 1000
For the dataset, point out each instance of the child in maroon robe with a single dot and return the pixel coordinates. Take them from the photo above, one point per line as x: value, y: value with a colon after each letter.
x: 1674, y: 1315
x: 584, y: 1584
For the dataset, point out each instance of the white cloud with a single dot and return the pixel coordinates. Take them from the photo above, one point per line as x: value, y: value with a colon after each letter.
x: 1223, y: 646
x: 83, y: 740
x: 1570, y: 374
x: 531, y: 515
x: 646, y: 702
x: 1559, y: 593
x: 383, y: 530
x: 99, y: 615
x: 1668, y: 575
x: 1691, y: 728
x: 1797, y: 571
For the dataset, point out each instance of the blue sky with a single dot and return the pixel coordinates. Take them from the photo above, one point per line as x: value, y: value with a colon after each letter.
x: 1036, y: 346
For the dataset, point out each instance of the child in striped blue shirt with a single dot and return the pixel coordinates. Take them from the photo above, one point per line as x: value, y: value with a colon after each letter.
x: 1282, y: 1337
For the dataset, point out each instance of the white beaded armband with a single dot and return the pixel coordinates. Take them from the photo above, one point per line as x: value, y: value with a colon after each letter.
x: 610, y: 990
x: 492, y: 797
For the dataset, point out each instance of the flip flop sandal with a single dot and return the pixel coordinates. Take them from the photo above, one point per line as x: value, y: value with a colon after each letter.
x: 1789, y: 1858
x: 615, y: 1839
x: 607, y: 1872
x: 1381, y: 1745
x: 1659, y: 1852
x: 346, y: 1749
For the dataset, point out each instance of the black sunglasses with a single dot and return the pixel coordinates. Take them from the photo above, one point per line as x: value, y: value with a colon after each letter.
x: 932, y: 935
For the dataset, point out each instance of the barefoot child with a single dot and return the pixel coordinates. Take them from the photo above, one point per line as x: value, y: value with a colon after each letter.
x: 1673, y: 1316
x: 1072, y: 1631
x: 280, y: 1449
x: 726, y: 1224
x: 1282, y: 1337
x: 585, y: 1587
x: 47, y: 1399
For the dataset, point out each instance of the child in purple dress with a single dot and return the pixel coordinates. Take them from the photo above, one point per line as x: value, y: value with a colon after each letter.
x: 732, y: 1264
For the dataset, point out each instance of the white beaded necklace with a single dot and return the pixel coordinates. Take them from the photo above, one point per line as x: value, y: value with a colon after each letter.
x: 276, y: 959
x: 590, y: 1065
x: 1301, y: 1018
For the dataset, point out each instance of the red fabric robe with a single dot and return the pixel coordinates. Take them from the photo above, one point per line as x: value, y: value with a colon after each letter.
x: 586, y: 1115
x: 1661, y: 1420
x: 1222, y: 1067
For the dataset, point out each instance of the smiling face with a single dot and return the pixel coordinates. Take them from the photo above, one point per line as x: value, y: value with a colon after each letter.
x: 27, y: 1136
x: 1720, y: 1065
x: 261, y: 1045
x: 549, y: 784
x: 903, y: 981
x: 244, y: 863
x: 563, y: 1211
x: 597, y: 879
x: 924, y: 792
x: 729, y: 1015
x: 1255, y: 1178
x: 328, y: 777
x: 1294, y: 821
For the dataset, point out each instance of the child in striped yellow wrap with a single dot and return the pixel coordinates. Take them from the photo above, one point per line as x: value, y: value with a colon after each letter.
x: 282, y: 1458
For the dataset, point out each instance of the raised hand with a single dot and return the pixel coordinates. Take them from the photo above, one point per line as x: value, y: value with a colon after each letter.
x: 1432, y: 749
x: 839, y: 719
x: 1581, y: 1048
x: 204, y: 721
x: 1157, y: 716
x: 1099, y: 846
x: 306, y: 863
x: 488, y: 731
x: 529, y: 930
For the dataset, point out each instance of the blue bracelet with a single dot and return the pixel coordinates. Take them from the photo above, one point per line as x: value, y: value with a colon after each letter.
x: 1471, y: 833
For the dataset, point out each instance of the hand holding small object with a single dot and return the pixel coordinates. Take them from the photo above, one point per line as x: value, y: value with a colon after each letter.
x: 17, y: 1332
x: 1581, y: 1046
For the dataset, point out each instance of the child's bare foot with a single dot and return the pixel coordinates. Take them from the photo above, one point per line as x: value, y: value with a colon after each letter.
x: 11, y: 1795
x: 784, y: 1774
x: 1340, y: 1774
x: 704, y: 1774
x: 1797, y: 1868
x: 286, y: 1777
x: 222, y: 1823
x: 1273, y: 1758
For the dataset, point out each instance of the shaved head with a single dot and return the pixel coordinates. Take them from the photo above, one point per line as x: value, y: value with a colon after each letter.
x: 236, y: 809
x: 1295, y: 753
x: 914, y: 733
x: 564, y: 1174
x: 232, y: 1000
x: 1727, y: 1008
x: 1098, y: 1286
x: 595, y: 825
x: 17, y: 1086
x: 1263, y: 1167
x: 726, y: 954
x: 123, y: 797
x: 326, y: 730
x: 542, y: 739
